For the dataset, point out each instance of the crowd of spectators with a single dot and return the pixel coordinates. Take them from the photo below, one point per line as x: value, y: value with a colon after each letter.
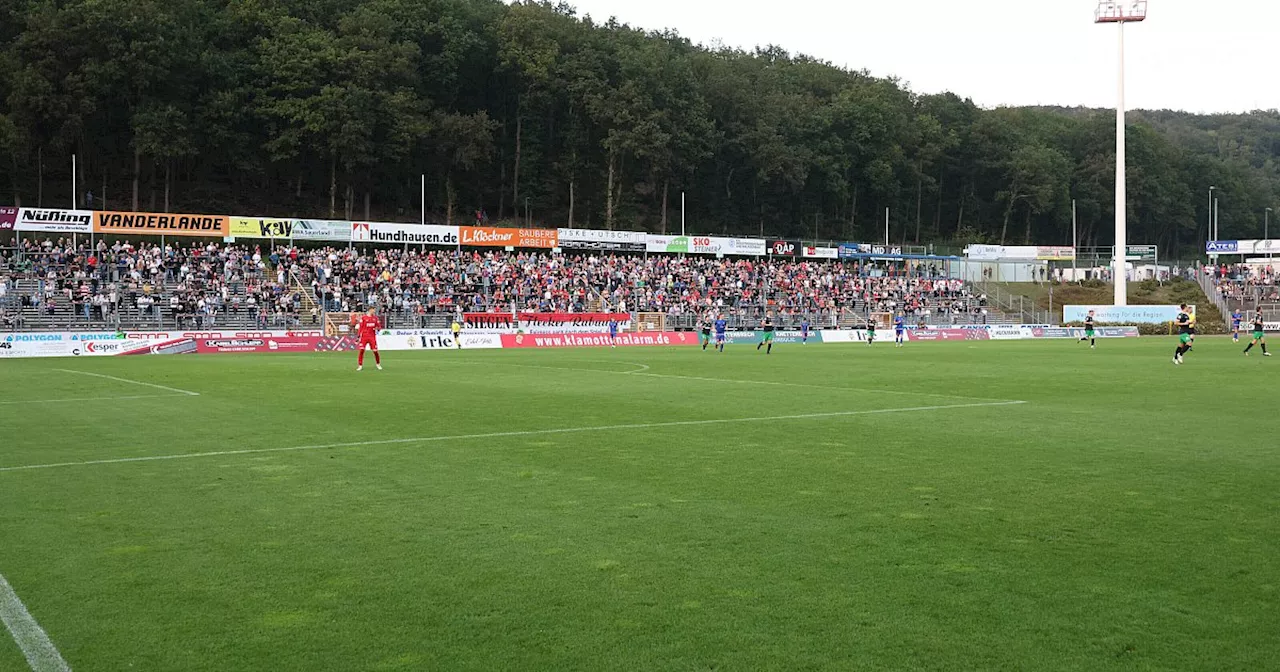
x: 102, y: 282
x: 433, y: 281
x: 199, y: 284
x: 1246, y: 283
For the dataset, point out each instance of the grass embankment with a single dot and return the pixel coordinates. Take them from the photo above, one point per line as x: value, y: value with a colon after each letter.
x: 1146, y: 293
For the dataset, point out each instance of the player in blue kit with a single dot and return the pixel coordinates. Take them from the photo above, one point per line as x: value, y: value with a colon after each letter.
x: 613, y: 333
x: 899, y: 330
x: 722, y: 326
x: 1237, y: 319
x: 804, y: 331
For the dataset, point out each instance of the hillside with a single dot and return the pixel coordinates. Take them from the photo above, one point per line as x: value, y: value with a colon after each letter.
x: 1145, y: 293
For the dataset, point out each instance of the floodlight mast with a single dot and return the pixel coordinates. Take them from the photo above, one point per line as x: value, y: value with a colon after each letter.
x: 1130, y: 11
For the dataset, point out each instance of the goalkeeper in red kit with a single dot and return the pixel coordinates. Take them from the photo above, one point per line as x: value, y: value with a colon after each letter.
x: 367, y: 326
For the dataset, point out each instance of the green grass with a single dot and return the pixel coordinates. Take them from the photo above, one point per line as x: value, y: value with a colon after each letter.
x: 1124, y: 518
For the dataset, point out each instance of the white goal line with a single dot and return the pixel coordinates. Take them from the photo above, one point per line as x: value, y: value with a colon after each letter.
x: 501, y: 435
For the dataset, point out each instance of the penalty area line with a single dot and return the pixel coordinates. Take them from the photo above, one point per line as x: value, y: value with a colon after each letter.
x: 32, y: 640
x: 503, y: 435
x: 131, y: 382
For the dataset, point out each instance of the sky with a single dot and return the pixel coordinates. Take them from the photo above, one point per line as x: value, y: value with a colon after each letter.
x: 1194, y: 55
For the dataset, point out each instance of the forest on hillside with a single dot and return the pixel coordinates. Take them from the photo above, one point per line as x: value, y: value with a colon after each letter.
x: 335, y: 108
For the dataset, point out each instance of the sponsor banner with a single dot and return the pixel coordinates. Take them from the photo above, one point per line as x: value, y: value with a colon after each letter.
x: 64, y: 344
x: 435, y: 339
x: 984, y: 252
x: 160, y: 224
x: 853, y: 336
x: 1078, y: 332
x: 296, y: 229
x: 489, y: 322
x: 847, y: 250
x: 484, y: 236
x: 1055, y: 253
x: 601, y: 245
x: 1140, y: 252
x: 1005, y: 332
x: 1124, y: 314
x: 784, y: 248
x: 572, y: 322
x: 8, y: 216
x: 594, y: 236
x: 653, y: 338
x: 279, y: 343
x: 268, y: 344
x: 1271, y: 326
x: 887, y: 250
x: 950, y: 335
x: 1259, y: 246
x: 754, y: 247
x: 54, y: 221
x: 747, y: 247
x: 184, y: 333
x: 604, y: 241
x: 781, y: 336
x: 411, y: 234
x: 1222, y: 247
x: 816, y: 252
x: 1016, y: 252
x: 708, y: 245
x: 673, y: 244
x: 1020, y: 252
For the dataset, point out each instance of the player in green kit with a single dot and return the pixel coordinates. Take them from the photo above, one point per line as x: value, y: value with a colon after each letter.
x: 871, y: 332
x: 1259, y: 335
x: 767, y: 339
x: 1088, y: 331
x: 1186, y: 323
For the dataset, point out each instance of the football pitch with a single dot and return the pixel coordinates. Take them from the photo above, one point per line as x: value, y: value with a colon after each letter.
x: 950, y: 506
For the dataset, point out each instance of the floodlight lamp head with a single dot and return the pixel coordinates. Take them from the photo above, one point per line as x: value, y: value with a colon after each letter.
x: 1120, y: 11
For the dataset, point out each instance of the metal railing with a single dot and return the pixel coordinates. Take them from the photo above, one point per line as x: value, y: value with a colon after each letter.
x: 1024, y: 308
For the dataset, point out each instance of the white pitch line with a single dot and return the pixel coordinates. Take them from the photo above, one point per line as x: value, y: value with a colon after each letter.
x: 643, y: 372
x: 501, y: 435
x: 59, y: 401
x: 131, y: 382
x: 32, y: 640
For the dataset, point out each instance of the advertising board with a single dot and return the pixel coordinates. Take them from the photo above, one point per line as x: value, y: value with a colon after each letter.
x: 750, y: 337
x: 1078, y: 332
x: 656, y: 338
x: 672, y: 244
x: 605, y: 241
x: 160, y: 224
x: 54, y: 221
x: 293, y: 229
x: 1124, y: 314
x: 784, y: 248
x: 410, y: 234
x: 572, y: 322
x: 435, y: 339
x: 817, y: 252
x: 851, y: 336
x: 484, y: 236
